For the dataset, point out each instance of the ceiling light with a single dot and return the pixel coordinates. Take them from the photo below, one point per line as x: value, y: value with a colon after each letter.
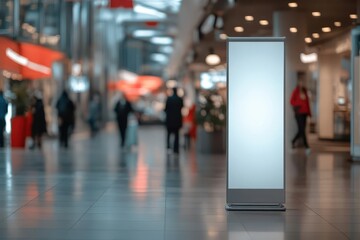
x: 316, y: 35
x: 150, y: 11
x: 326, y: 29
x: 293, y: 4
x: 158, y: 57
x: 264, y: 22
x: 145, y: 33
x: 316, y: 14
x: 293, y: 30
x: 353, y: 16
x: 337, y: 24
x: 223, y: 36
x: 308, y: 58
x: 161, y: 40
x: 213, y: 59
x: 249, y: 18
x: 238, y: 29
x: 166, y: 49
x: 308, y: 40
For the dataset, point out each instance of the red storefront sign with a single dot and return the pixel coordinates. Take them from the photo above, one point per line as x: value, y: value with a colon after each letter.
x: 121, y: 4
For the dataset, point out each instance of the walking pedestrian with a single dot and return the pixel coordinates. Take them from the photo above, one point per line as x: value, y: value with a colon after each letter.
x: 173, y: 107
x: 3, y: 112
x: 122, y: 109
x: 66, y: 115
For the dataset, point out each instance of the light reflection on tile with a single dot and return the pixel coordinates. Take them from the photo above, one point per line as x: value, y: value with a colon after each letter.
x: 96, y: 191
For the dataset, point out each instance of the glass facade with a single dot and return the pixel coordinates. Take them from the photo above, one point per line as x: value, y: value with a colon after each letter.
x: 40, y: 22
x: 6, y: 17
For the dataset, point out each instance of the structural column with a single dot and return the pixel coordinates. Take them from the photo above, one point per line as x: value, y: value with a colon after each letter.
x: 295, y: 44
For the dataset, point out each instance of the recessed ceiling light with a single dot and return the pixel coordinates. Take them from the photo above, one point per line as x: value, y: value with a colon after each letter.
x: 316, y: 14
x: 223, y: 36
x: 249, y: 18
x: 353, y: 16
x: 264, y: 22
x: 238, y: 29
x: 145, y: 33
x: 326, y: 29
x: 293, y: 30
x: 293, y: 4
x: 161, y: 40
x: 308, y: 40
x: 316, y: 35
x: 337, y: 24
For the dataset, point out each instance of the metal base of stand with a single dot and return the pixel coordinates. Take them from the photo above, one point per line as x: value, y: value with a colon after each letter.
x: 244, y: 207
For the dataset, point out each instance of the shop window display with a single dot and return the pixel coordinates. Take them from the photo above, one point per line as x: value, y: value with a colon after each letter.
x: 40, y: 22
x: 6, y: 17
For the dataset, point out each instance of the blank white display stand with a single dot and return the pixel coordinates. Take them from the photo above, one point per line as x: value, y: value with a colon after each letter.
x: 255, y: 124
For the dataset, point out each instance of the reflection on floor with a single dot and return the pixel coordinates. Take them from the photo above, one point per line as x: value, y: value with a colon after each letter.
x: 95, y: 191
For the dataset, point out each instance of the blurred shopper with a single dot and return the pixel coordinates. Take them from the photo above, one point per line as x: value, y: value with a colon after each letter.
x: 122, y: 109
x: 173, y: 107
x: 300, y: 103
x: 94, y: 114
x: 66, y: 114
x: 3, y: 112
x: 38, y: 127
x: 190, y: 126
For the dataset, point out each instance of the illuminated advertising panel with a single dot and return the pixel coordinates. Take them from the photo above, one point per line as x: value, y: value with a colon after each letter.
x: 255, y: 148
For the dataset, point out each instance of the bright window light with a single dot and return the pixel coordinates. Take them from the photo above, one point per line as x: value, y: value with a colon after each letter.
x: 238, y: 29
x: 316, y: 14
x: 145, y: 33
x: 161, y: 40
x: 308, y: 40
x: 249, y: 18
x: 150, y: 11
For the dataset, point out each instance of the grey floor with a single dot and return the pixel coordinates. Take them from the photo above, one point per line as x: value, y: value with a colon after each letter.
x: 94, y: 191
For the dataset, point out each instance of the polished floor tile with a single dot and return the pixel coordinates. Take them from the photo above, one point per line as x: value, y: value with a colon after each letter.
x: 94, y: 190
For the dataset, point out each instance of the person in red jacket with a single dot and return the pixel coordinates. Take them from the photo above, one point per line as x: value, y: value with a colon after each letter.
x: 300, y: 103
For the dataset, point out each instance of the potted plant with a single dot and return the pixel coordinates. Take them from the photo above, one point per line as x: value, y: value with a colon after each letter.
x: 211, y: 119
x: 20, y: 103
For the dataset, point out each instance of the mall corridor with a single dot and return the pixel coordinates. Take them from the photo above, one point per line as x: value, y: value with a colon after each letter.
x: 94, y: 191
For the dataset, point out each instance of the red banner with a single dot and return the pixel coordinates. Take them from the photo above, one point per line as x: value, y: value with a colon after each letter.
x: 29, y: 60
x: 121, y: 4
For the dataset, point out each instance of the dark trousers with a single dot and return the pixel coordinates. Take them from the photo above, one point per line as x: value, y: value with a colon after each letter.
x: 122, y: 128
x: 2, y: 130
x: 301, y: 124
x: 64, y: 129
x: 174, y: 131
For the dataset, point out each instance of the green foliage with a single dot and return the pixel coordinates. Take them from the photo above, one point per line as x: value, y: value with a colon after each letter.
x: 211, y: 113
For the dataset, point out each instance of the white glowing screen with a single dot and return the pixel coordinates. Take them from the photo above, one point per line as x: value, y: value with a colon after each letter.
x: 256, y: 115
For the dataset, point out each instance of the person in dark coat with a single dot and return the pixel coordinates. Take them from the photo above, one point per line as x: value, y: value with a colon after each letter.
x: 38, y: 127
x: 3, y: 112
x: 122, y: 109
x: 173, y: 107
x: 66, y: 115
